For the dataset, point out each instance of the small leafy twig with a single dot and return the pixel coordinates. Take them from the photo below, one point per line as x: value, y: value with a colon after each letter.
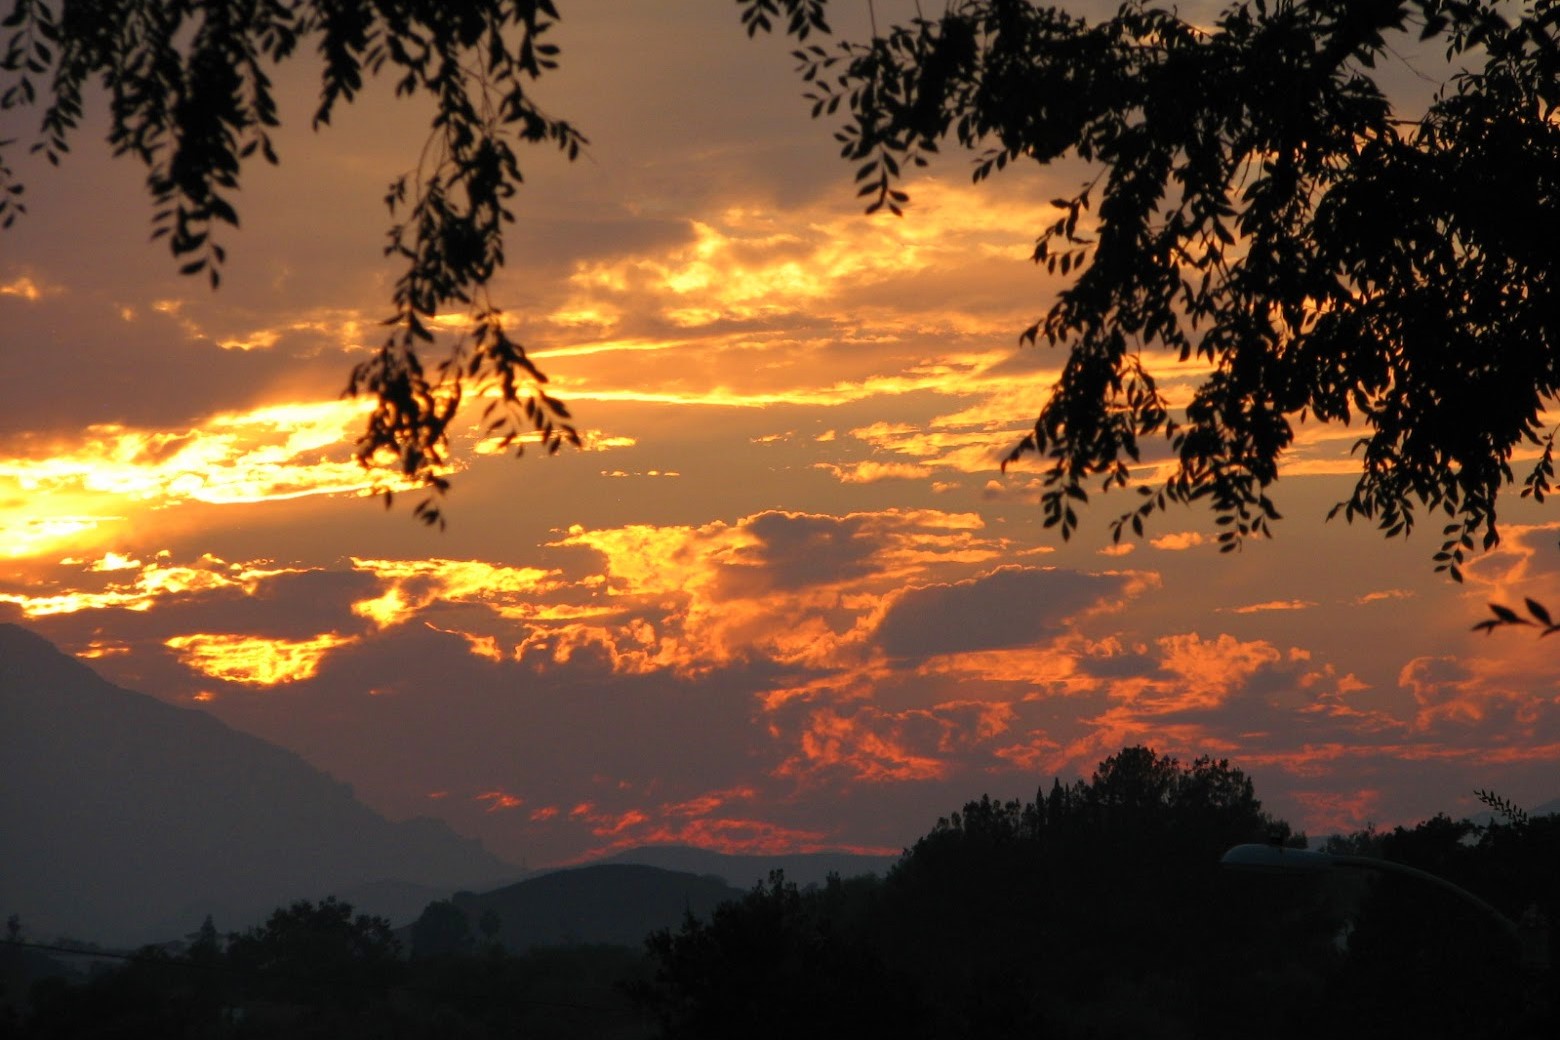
x: 1504, y: 616
x: 1512, y: 813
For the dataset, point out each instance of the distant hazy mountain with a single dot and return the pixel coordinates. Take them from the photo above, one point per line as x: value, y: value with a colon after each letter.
x: 623, y: 898
x: 125, y: 819
x: 616, y: 903
x: 744, y: 872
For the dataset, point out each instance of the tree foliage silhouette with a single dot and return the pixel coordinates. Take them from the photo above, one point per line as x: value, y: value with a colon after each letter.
x: 1053, y: 918
x: 319, y: 970
x: 190, y: 97
x: 1258, y: 206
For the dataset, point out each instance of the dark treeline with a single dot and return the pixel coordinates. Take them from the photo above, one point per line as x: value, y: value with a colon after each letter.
x: 1098, y: 909
x: 317, y: 970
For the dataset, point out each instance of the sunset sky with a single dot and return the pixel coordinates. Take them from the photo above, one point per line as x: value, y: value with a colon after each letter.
x: 783, y: 599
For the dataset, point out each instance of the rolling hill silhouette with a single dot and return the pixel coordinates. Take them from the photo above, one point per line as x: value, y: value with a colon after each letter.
x: 614, y: 903
x: 746, y: 870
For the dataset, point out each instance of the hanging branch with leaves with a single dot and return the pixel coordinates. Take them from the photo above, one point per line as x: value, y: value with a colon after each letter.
x: 190, y: 97
x: 1257, y: 205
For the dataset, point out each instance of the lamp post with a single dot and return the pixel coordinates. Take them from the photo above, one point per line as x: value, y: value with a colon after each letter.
x: 1531, y: 937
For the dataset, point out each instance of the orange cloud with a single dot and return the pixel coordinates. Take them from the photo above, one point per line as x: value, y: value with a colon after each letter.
x: 1382, y: 595
x: 868, y: 746
x: 1470, y: 692
x: 1202, y: 674
x: 710, y: 801
x: 1178, y: 541
x: 1038, y: 754
x: 103, y: 648
x: 1523, y: 564
x: 796, y: 588
x: 1123, y: 725
x: 23, y: 287
x: 858, y: 682
x: 499, y: 800
x: 1269, y: 606
x: 1222, y: 664
x: 735, y: 836
x: 1318, y: 759
x: 1052, y: 670
x: 1338, y: 812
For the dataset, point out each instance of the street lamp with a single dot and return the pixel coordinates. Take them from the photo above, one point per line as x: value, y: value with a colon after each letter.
x: 1531, y: 938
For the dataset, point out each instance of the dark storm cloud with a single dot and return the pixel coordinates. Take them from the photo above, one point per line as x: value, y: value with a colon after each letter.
x: 73, y: 360
x: 283, y: 606
x: 1012, y: 606
x: 798, y: 551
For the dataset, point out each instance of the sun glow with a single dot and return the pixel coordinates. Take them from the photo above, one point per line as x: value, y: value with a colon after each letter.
x: 275, y: 452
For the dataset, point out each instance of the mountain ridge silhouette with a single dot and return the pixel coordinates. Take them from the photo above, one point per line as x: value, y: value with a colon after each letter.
x: 129, y: 819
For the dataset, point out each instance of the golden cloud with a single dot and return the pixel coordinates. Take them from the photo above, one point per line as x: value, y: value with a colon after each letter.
x: 747, y: 263
x: 25, y: 288
x: 1179, y: 541
x: 1338, y: 812
x: 872, y: 472
x: 151, y: 582
x: 416, y: 584
x: 803, y: 589
x: 254, y: 660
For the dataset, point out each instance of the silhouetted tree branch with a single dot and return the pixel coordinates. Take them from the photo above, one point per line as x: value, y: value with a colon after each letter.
x: 1258, y: 206
x: 190, y: 97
